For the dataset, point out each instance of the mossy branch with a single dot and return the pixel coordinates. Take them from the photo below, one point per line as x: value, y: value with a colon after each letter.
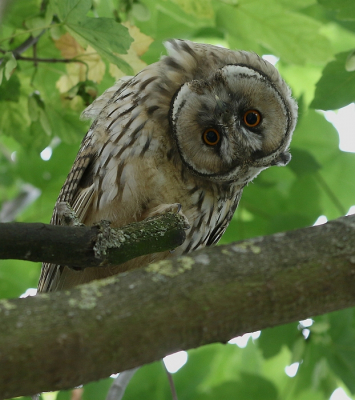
x: 97, y: 246
x: 64, y: 339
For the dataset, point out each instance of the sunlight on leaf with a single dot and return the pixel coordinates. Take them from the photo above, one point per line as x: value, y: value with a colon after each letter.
x: 68, y: 46
x: 199, y: 8
x: 93, y: 69
x: 40, y: 101
x: 10, y: 66
x: 139, y: 46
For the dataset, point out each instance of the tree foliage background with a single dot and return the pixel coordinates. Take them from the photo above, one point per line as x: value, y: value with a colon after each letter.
x: 78, y: 48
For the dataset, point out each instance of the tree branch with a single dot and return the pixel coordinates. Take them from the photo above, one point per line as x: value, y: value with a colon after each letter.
x: 100, y: 245
x: 50, y: 60
x: 32, y: 41
x: 63, y: 339
x: 29, y: 42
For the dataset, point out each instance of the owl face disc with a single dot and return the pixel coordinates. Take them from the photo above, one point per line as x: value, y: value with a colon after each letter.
x: 231, y: 125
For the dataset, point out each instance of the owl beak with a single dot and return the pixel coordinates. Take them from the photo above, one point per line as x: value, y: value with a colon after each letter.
x: 283, y: 159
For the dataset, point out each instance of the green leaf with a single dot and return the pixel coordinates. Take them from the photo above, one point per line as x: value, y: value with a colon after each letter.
x: 17, y: 276
x: 313, y: 372
x: 10, y: 64
x: 71, y: 10
x: 106, y: 36
x: 10, y: 90
x: 35, y: 106
x: 168, y: 20
x: 40, y: 22
x: 303, y: 162
x: 43, y: 119
x: 198, y: 8
x: 336, y: 87
x: 214, y: 365
x: 149, y: 383
x: 18, y: 11
x: 250, y: 386
x: 350, y: 62
x: 318, y: 136
x: 97, y: 390
x: 202, y: 363
x: 64, y: 395
x: 35, y: 137
x: 290, y: 35
x: 66, y: 124
x: 32, y: 108
x: 345, y: 8
x: 319, y: 175
x: 297, y: 4
x: 12, y: 122
x: 140, y: 11
x: 341, y: 354
x: 305, y: 199
x: 271, y: 340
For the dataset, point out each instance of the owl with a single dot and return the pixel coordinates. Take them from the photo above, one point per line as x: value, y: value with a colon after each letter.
x: 192, y: 129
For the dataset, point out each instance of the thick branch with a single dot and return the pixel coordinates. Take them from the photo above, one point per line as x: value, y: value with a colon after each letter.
x: 60, y: 340
x: 96, y: 246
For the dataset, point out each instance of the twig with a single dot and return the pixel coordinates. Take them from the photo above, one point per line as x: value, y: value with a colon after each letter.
x: 35, y: 55
x: 50, y: 60
x: 171, y: 383
x: 31, y: 41
x: 332, y: 196
x: 26, y: 44
x: 120, y: 384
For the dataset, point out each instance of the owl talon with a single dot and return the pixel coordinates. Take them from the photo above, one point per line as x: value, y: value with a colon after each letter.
x: 67, y: 215
x: 162, y: 209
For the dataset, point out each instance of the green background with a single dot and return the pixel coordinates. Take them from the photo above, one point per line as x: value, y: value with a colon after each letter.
x: 314, y: 41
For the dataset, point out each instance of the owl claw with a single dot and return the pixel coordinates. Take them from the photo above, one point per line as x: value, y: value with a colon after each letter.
x: 67, y: 216
x: 175, y: 208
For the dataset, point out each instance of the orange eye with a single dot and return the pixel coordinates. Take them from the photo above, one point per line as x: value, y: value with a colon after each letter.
x: 211, y: 136
x: 252, y: 118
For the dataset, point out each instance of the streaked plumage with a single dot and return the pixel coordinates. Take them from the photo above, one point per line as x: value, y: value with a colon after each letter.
x: 153, y: 143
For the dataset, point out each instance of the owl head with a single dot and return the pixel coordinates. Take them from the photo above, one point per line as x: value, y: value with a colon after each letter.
x: 233, y: 116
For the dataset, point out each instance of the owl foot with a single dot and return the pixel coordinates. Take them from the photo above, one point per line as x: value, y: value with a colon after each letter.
x: 165, y: 208
x: 67, y: 216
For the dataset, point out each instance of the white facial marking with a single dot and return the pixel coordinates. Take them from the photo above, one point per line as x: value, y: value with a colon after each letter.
x: 180, y: 98
x: 232, y: 70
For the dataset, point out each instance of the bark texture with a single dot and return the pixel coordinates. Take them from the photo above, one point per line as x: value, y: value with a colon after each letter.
x: 60, y: 340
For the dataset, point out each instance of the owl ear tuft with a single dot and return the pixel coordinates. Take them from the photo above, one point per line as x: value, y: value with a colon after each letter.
x: 282, y: 159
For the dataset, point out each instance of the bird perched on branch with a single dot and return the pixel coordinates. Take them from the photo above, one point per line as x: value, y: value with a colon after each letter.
x: 191, y: 129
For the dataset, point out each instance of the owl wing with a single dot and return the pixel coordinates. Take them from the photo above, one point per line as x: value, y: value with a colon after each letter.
x: 79, y: 197
x: 78, y: 189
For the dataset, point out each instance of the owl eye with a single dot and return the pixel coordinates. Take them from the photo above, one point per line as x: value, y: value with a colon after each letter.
x: 252, y: 118
x: 211, y: 136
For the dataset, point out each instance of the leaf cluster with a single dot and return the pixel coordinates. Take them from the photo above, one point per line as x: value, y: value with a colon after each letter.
x: 56, y: 56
